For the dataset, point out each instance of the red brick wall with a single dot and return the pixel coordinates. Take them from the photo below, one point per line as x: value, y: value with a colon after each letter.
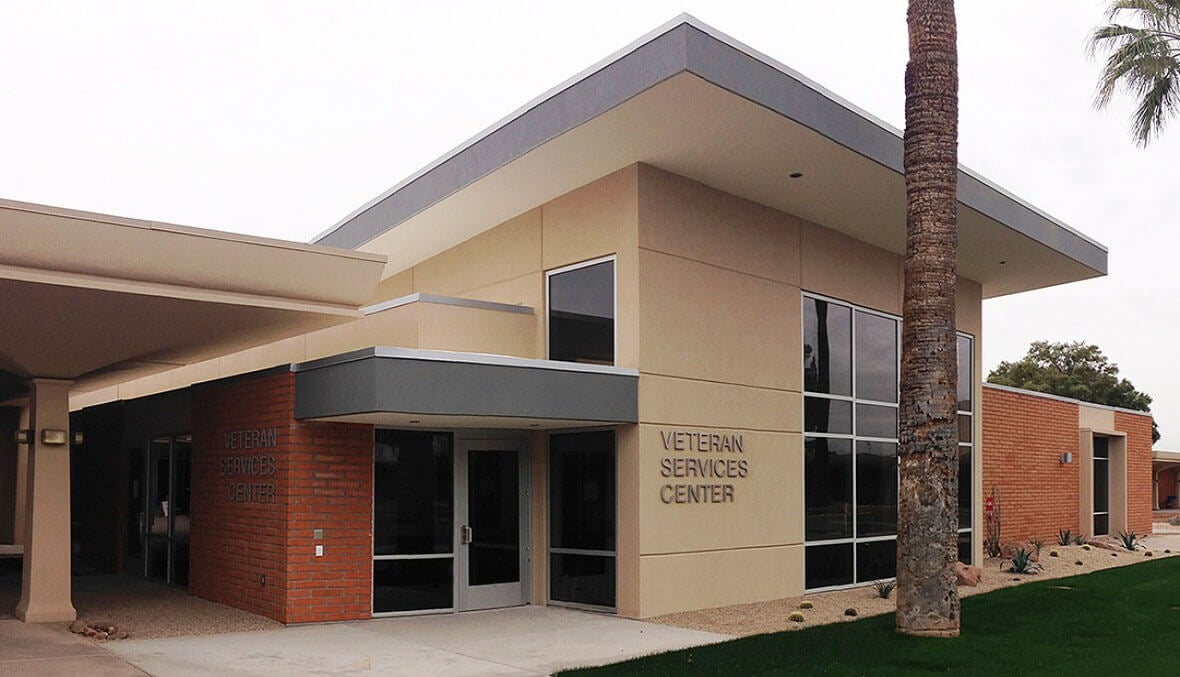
x: 321, y: 477
x: 331, y: 479
x: 1139, y: 481
x: 1023, y: 439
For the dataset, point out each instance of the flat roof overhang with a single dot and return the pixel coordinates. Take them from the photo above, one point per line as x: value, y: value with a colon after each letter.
x: 406, y: 387
x: 693, y: 101
x: 101, y: 299
x: 1164, y: 459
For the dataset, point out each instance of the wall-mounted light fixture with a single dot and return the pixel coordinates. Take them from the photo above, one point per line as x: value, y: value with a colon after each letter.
x: 23, y: 436
x: 1067, y: 458
x: 53, y: 436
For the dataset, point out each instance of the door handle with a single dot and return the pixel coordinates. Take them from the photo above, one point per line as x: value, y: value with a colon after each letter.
x: 466, y: 535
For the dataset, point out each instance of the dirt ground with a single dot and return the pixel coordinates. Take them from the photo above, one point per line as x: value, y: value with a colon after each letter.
x: 829, y: 607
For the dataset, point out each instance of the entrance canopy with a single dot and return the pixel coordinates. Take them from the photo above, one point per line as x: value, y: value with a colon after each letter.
x: 98, y: 299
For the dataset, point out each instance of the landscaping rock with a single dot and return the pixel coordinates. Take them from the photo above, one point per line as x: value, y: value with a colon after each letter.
x: 850, y: 612
x: 967, y: 574
x: 78, y: 627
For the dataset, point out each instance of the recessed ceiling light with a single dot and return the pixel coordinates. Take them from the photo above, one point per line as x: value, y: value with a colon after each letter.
x: 1003, y: 263
x: 796, y: 175
x: 414, y: 420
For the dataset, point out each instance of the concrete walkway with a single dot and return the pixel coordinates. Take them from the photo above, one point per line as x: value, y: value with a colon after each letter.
x: 33, y: 650
x: 519, y: 641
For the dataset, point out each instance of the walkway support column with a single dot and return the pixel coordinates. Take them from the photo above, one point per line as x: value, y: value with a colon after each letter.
x: 22, y: 482
x: 45, y: 591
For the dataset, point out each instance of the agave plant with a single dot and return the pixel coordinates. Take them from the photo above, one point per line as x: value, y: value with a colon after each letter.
x: 884, y: 588
x: 1064, y: 537
x: 1022, y: 562
x: 1130, y: 540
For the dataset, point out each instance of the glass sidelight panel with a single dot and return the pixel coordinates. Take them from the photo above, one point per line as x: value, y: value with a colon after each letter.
x: 1101, y: 486
x: 493, y: 508
x: 413, y: 518
x: 582, y: 515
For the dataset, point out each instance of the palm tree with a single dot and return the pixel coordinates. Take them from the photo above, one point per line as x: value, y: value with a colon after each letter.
x: 927, y: 549
x: 1144, y: 60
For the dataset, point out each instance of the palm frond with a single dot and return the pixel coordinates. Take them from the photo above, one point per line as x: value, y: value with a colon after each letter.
x: 1143, y: 59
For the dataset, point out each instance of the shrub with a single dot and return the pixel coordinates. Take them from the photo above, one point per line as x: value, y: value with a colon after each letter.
x: 1080, y: 539
x: 806, y: 605
x: 1022, y: 562
x: 1064, y: 537
x: 1037, y: 543
x: 1175, y: 521
x: 884, y: 588
x: 1054, y: 553
x: 1130, y: 540
x: 796, y: 617
x: 1085, y: 547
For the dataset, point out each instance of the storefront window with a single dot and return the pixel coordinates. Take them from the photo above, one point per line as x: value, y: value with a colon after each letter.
x: 413, y: 510
x: 851, y: 360
x: 582, y: 313
x: 582, y: 518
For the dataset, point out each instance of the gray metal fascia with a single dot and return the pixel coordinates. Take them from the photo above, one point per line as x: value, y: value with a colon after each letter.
x: 613, y: 81
x: 757, y: 78
x: 686, y: 44
x: 379, y: 384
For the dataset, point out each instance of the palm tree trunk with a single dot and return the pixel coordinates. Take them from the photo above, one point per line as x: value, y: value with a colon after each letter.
x: 927, y: 596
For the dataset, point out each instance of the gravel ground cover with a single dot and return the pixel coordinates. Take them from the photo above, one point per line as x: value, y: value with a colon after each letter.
x: 148, y: 610
x: 829, y: 607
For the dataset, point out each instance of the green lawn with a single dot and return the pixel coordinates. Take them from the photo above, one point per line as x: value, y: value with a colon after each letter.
x: 1118, y: 621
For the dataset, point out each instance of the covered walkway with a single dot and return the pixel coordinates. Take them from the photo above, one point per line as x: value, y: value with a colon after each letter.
x: 89, y: 301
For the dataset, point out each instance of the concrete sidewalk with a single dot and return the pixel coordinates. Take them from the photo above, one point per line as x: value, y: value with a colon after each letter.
x: 519, y: 641
x: 35, y: 649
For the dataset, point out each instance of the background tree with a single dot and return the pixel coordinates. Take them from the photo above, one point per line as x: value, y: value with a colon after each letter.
x: 1143, y: 41
x: 927, y: 506
x: 1077, y: 370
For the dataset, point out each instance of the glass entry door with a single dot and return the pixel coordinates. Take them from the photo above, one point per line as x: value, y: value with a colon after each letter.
x: 164, y: 520
x: 491, y: 488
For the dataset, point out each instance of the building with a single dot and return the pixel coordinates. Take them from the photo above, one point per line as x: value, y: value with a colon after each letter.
x: 633, y: 348
x: 1053, y: 463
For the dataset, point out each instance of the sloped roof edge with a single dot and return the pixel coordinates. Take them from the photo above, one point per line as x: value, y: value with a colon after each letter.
x: 686, y: 44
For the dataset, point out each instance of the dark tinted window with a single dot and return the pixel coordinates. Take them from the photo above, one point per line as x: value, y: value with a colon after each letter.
x: 876, y: 560
x: 876, y: 357
x: 823, y: 415
x: 582, y: 490
x: 412, y: 584
x: 964, y: 488
x: 828, y: 565
x: 827, y: 487
x: 965, y: 364
x: 876, y: 489
x: 582, y: 314
x: 876, y: 421
x: 413, y: 493
x: 827, y: 347
x: 582, y: 517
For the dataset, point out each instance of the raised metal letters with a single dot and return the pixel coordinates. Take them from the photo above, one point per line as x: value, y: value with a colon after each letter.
x: 690, y: 466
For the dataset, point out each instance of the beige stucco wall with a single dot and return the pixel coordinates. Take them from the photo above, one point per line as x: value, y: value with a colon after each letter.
x: 720, y: 352
x: 708, y: 292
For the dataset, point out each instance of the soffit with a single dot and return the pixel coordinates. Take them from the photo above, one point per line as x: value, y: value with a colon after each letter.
x: 691, y: 101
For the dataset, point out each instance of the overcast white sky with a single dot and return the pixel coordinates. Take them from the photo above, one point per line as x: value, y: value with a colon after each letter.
x: 279, y: 118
